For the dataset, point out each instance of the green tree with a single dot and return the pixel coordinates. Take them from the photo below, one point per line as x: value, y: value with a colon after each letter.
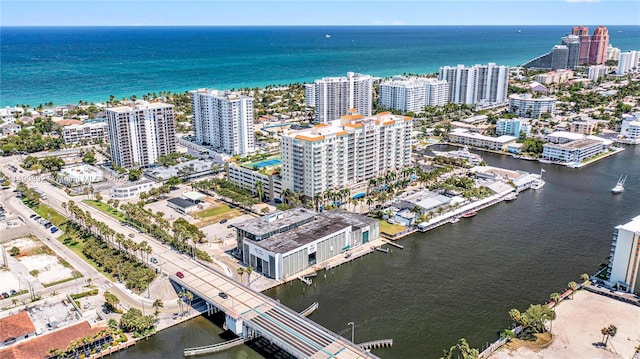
x: 461, y: 350
x: 608, y: 332
x: 555, y: 297
x: 240, y: 271
x: 573, y: 287
x: 585, y: 278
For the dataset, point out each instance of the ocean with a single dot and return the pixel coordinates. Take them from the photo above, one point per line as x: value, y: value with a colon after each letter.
x: 64, y: 65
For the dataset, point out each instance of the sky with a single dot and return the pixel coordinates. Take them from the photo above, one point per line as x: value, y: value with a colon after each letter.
x: 327, y: 12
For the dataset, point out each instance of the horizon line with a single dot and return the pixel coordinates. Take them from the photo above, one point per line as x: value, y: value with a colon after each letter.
x: 320, y: 25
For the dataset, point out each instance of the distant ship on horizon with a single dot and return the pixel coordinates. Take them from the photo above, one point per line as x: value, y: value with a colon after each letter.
x: 327, y: 36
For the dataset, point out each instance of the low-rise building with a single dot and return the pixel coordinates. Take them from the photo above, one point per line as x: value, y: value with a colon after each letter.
x: 79, y: 175
x: 464, y: 137
x: 245, y: 176
x: 282, y: 244
x: 85, y: 133
x: 554, y: 77
x: 185, y: 170
x: 624, y: 262
x: 513, y: 127
x: 132, y: 189
x: 183, y: 205
x: 9, y: 114
x: 572, y: 152
x: 525, y: 105
x: 10, y: 128
x: 560, y: 137
x: 630, y: 128
x: 584, y: 127
x: 15, y: 328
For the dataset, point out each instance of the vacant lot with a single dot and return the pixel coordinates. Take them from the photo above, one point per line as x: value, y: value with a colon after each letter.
x: 215, y: 214
x: 577, y: 330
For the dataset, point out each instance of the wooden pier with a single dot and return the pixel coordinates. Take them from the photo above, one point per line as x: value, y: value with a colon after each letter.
x: 383, y: 250
x: 382, y: 343
x: 392, y: 243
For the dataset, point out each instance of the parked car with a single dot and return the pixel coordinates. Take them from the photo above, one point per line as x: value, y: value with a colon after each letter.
x: 37, y: 218
x: 5, y: 295
x: 54, y: 229
x: 154, y: 260
x: 13, y: 292
x: 223, y: 295
x: 47, y: 225
x: 32, y: 215
x: 229, y: 226
x: 223, y: 221
x: 179, y: 275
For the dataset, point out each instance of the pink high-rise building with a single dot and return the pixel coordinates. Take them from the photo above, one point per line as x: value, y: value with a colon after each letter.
x: 585, y: 43
x: 598, y: 47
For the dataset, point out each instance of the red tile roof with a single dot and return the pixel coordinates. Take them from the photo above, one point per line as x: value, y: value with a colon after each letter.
x: 16, y: 325
x: 38, y: 347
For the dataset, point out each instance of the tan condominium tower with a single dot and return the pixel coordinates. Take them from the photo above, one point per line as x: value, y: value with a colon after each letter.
x: 345, y: 152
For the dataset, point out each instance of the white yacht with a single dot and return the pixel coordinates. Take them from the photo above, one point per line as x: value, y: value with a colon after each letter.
x: 619, y: 188
x: 539, y: 183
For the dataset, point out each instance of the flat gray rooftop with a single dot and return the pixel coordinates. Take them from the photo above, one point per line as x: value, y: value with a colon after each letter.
x: 322, y: 225
x: 278, y: 221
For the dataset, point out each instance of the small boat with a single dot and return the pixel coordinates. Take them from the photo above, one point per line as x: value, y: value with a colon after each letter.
x: 455, y: 220
x: 619, y: 188
x: 327, y: 36
x: 469, y: 214
x: 538, y: 183
x: 511, y: 196
x: 519, y: 31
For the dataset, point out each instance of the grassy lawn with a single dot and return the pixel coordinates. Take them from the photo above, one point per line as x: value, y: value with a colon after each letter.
x: 49, y: 213
x: 215, y: 214
x: 105, y: 208
x: 391, y: 229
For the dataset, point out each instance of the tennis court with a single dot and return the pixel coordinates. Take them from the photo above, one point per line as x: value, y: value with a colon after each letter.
x: 266, y: 163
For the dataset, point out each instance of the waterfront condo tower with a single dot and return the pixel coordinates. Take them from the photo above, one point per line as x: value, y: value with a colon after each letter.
x: 223, y: 120
x: 345, y: 152
x: 139, y: 134
x: 476, y: 84
x: 624, y: 260
x: 582, y: 32
x: 336, y: 96
x: 413, y: 94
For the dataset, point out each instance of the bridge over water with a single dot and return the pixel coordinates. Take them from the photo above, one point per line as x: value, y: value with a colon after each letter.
x: 249, y: 313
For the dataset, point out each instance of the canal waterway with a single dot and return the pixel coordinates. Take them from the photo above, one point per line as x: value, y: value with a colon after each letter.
x: 459, y: 280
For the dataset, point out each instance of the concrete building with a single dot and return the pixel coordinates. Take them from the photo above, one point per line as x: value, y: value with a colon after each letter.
x: 337, y: 96
x: 596, y: 72
x: 572, y: 42
x: 140, y: 134
x: 9, y: 114
x: 628, y: 62
x: 560, y: 137
x: 187, y: 170
x: 310, y: 95
x: 624, y: 261
x: 79, y: 175
x: 525, y: 105
x: 413, y: 94
x: 476, y: 84
x: 223, y: 120
x: 346, y: 152
x: 559, y: 57
x: 464, y: 137
x: 585, y: 42
x: 613, y: 53
x: 189, y: 202
x: 132, y: 189
x: 554, y: 77
x: 16, y: 328
x: 513, y: 127
x: 630, y: 128
x: 282, y: 244
x: 584, y: 127
x: 572, y: 152
x: 245, y: 176
x: 85, y: 133
x: 10, y: 128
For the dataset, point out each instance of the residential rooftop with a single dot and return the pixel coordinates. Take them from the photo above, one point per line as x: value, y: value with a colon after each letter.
x: 276, y: 222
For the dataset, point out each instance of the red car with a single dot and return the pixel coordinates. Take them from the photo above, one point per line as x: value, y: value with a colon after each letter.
x: 179, y: 275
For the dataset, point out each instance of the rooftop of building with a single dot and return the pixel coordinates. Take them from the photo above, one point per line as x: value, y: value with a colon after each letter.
x: 322, y: 225
x: 528, y: 96
x: 229, y: 95
x: 500, y: 139
x: 631, y: 226
x: 38, y: 347
x: 579, y: 144
x: 569, y: 135
x: 187, y: 167
x: 275, y: 221
x: 139, y: 105
x: 81, y: 170
x: 134, y: 184
x: 194, y: 196
x: 181, y: 202
x: 16, y: 325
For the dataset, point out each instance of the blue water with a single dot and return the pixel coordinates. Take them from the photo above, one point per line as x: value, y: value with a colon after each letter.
x: 67, y: 64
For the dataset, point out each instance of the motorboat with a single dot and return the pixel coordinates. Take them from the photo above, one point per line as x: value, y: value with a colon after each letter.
x: 455, y: 220
x: 538, y: 183
x: 469, y: 214
x: 619, y: 188
x: 511, y: 196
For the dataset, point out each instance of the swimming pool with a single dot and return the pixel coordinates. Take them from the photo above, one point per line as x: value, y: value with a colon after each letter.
x: 266, y: 163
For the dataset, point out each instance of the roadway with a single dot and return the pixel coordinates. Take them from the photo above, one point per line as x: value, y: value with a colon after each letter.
x: 294, y: 333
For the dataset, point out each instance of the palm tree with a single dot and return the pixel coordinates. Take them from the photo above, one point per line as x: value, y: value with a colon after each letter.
x: 259, y: 187
x: 249, y: 270
x: 608, y: 332
x: 573, y: 286
x: 585, y: 277
x: 555, y: 297
x: 240, y: 271
x: 189, y: 297
x: 157, y: 304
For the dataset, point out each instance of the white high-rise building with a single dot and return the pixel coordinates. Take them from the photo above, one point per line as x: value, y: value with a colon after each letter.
x: 345, y: 152
x: 413, y: 94
x: 596, y: 72
x: 525, y: 105
x: 476, y: 84
x: 310, y: 95
x: 223, y: 120
x: 627, y: 62
x: 336, y: 96
x: 139, y: 134
x: 624, y: 261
